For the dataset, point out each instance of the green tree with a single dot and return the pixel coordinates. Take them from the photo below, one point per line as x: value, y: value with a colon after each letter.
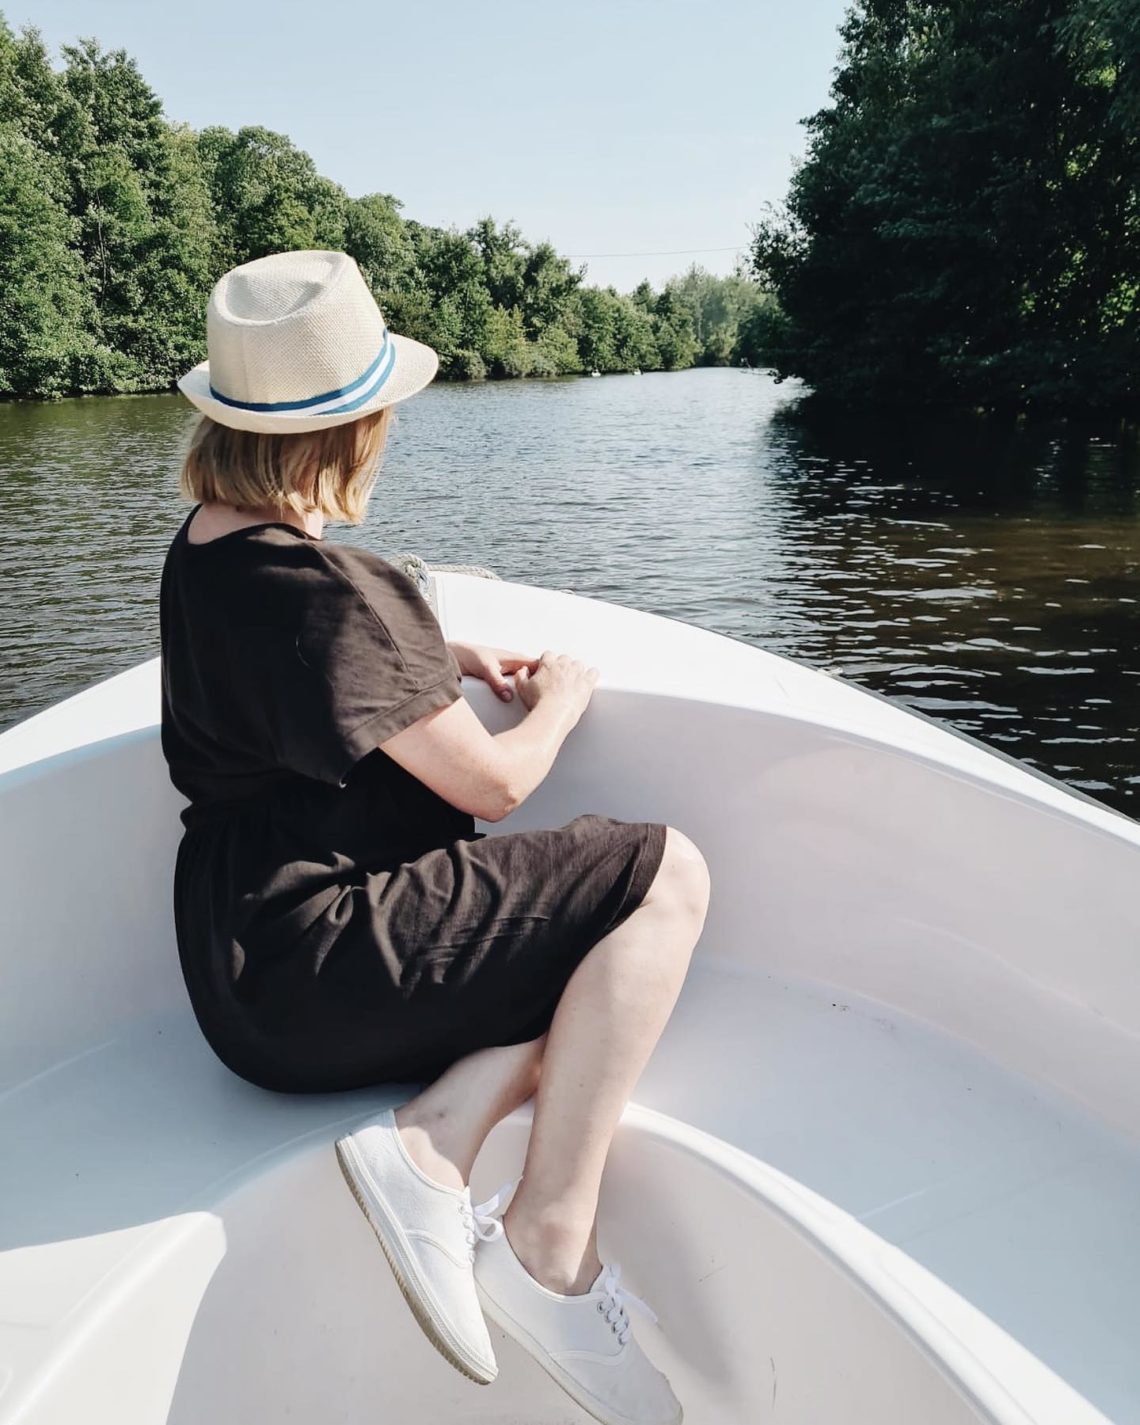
x: 503, y: 254
x: 964, y: 229
x: 269, y: 195
x: 676, y: 341
x: 635, y: 337
x: 555, y: 353
x: 44, y: 346
x: 453, y: 273
x: 506, y: 349
x: 718, y: 308
x: 376, y: 237
x: 549, y: 284
x: 594, y: 326
x: 142, y: 218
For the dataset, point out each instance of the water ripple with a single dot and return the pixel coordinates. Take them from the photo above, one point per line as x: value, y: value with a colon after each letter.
x: 986, y: 578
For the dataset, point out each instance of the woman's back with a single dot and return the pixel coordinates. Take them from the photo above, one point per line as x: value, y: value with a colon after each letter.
x: 285, y: 661
x: 289, y: 658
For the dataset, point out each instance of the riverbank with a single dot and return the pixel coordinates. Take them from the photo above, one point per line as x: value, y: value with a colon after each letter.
x: 451, y: 378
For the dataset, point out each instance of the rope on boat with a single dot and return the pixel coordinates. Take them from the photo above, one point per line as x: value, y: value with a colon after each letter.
x: 419, y: 570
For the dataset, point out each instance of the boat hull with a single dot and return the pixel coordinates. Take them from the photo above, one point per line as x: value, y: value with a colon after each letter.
x: 888, y: 1140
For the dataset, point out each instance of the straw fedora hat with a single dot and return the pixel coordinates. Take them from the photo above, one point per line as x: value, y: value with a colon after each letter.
x: 296, y: 342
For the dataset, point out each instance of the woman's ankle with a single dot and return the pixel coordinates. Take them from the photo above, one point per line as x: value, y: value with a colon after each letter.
x: 427, y: 1144
x: 562, y: 1256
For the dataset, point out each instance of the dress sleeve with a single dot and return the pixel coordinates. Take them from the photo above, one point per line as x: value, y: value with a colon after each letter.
x: 370, y: 659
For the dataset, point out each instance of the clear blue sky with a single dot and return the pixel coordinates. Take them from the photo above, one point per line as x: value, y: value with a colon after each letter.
x: 605, y: 126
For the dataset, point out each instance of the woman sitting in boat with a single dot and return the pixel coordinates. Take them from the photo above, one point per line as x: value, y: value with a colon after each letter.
x: 340, y: 921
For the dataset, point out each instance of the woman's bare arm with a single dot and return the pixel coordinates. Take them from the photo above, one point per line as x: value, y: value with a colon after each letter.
x: 489, y: 774
x: 485, y: 774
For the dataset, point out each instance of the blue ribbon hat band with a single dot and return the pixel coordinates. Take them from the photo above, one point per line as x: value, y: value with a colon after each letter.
x: 371, y: 380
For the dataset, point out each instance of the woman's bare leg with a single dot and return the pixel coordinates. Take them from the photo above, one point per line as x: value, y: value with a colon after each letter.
x: 608, y: 1021
x: 443, y: 1127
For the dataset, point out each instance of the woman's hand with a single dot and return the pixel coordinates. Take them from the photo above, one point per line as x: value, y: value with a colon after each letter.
x: 492, y: 665
x: 567, y: 680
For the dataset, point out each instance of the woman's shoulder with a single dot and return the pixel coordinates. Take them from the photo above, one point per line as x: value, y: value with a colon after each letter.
x: 368, y: 579
x: 373, y: 576
x: 282, y: 555
x: 350, y: 559
x: 272, y: 575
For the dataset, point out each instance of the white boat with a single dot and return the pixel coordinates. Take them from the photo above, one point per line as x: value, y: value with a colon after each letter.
x: 882, y: 1169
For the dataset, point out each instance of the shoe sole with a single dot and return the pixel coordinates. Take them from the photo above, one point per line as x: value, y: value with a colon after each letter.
x: 389, y: 1235
x: 577, y: 1392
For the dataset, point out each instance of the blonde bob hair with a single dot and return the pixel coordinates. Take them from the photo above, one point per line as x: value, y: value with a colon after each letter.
x: 330, y: 470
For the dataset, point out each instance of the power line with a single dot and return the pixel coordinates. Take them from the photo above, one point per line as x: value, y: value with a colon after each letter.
x: 674, y: 252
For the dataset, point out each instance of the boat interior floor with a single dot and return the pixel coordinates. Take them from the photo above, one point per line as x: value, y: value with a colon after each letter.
x: 1026, y: 1207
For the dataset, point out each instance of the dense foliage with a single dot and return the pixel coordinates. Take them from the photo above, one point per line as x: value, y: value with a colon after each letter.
x: 965, y: 228
x: 115, y: 223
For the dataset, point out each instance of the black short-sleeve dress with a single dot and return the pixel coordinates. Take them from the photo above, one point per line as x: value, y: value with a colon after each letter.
x: 338, y: 923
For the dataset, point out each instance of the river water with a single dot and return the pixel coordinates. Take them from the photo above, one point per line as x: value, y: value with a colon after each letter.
x: 987, y: 578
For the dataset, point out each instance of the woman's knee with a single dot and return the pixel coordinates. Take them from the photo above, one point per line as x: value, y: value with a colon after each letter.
x: 683, y: 876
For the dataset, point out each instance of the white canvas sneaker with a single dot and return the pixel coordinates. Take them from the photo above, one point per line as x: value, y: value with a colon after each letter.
x: 585, y: 1342
x: 428, y: 1233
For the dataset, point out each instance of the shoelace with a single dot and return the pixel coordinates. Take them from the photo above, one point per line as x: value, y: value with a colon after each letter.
x: 481, y: 1220
x: 615, y: 1301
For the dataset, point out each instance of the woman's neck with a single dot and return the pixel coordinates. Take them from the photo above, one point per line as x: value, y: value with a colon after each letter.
x: 215, y: 518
